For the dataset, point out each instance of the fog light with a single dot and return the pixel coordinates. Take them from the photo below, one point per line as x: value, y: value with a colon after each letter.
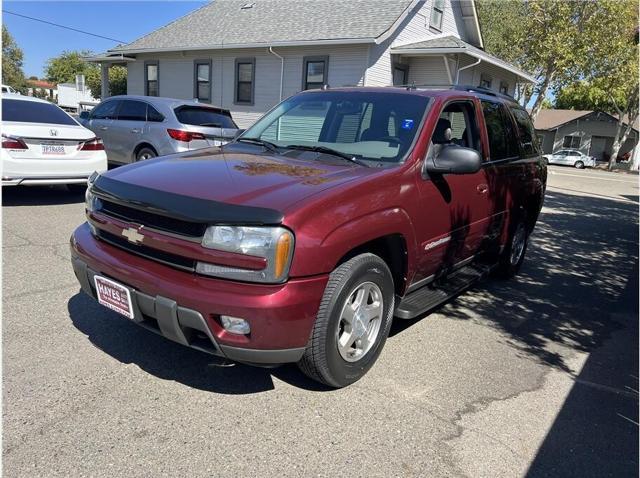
x: 235, y: 325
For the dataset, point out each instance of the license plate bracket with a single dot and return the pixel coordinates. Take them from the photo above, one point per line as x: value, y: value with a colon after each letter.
x: 114, y: 296
x: 52, y: 149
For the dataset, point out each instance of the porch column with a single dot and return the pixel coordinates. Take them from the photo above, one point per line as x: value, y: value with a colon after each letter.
x: 104, y: 80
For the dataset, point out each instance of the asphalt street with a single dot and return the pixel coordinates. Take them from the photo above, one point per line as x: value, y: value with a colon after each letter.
x: 536, y: 376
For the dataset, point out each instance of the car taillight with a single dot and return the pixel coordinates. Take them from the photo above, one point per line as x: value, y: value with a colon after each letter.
x: 9, y: 142
x: 185, y: 136
x: 95, y: 144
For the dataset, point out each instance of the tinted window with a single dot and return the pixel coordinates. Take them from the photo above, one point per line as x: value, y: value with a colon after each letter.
x: 153, y: 114
x: 528, y: 139
x: 502, y: 143
x: 132, y: 111
x: 105, y: 110
x: 204, y: 117
x: 34, y: 112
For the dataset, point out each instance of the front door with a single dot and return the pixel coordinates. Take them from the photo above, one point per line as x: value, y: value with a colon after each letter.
x: 100, y: 122
x: 457, y: 208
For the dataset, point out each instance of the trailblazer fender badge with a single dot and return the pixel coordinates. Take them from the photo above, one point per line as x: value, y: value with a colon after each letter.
x: 133, y: 234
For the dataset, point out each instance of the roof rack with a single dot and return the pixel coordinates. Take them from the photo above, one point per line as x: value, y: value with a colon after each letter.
x: 483, y: 90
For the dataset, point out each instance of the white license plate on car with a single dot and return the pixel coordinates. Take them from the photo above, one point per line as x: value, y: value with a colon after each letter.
x: 52, y: 149
x: 114, y: 296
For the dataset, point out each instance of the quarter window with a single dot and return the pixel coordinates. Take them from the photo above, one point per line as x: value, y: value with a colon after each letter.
x: 202, y: 80
x: 315, y: 72
x: 571, y: 142
x: 151, y: 85
x: 154, y: 115
x: 245, y: 80
x: 437, y: 12
x: 502, y: 142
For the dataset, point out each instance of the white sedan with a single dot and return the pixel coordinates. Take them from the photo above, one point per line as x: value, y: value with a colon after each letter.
x: 570, y: 157
x: 41, y: 144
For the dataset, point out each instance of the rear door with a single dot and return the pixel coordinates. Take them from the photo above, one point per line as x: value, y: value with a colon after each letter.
x: 126, y: 130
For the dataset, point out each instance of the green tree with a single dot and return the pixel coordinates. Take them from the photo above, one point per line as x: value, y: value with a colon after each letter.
x: 546, y: 37
x: 12, y: 57
x: 64, y: 67
x: 117, y: 81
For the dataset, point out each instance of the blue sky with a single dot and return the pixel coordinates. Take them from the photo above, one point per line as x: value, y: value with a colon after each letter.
x: 122, y: 20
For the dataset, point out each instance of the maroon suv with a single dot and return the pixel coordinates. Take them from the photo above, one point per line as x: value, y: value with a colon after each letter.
x: 300, y: 241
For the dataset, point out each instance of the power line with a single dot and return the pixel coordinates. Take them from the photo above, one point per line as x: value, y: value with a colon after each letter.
x: 61, y: 26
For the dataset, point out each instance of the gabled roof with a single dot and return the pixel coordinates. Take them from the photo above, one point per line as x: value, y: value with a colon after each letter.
x: 451, y: 44
x: 552, y: 119
x: 246, y: 23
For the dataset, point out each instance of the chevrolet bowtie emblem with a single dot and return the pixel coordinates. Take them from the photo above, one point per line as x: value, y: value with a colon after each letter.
x: 133, y: 235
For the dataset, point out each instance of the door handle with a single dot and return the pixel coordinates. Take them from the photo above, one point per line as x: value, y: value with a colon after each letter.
x: 103, y: 128
x: 482, y: 188
x: 135, y: 130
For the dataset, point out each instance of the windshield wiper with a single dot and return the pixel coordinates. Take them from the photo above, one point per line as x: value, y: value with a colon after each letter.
x: 326, y: 150
x: 261, y: 142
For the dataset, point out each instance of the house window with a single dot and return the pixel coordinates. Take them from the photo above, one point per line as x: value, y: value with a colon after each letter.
x: 245, y: 80
x: 571, y: 142
x: 504, y: 88
x: 315, y: 72
x: 485, y: 81
x: 151, y: 85
x: 202, y: 80
x: 437, y: 12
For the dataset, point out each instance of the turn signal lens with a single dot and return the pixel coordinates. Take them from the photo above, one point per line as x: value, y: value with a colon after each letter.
x: 283, y: 247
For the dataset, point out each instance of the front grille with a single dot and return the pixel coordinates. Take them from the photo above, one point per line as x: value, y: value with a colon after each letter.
x: 167, y: 258
x: 152, y: 220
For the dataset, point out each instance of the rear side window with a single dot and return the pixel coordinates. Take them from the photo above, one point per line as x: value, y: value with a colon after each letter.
x: 34, y: 112
x: 197, y: 116
x: 132, y: 111
x: 528, y: 139
x: 105, y: 110
x: 154, y: 115
x: 502, y: 141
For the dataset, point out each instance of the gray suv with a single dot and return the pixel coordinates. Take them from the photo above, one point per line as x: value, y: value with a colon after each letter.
x: 134, y: 128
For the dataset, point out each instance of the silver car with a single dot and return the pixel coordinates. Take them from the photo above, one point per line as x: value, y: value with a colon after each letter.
x: 570, y: 157
x: 134, y: 128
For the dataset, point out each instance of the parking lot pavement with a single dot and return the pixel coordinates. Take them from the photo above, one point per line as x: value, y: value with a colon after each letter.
x: 532, y: 377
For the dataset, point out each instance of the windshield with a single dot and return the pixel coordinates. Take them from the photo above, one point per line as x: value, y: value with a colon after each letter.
x: 372, y: 126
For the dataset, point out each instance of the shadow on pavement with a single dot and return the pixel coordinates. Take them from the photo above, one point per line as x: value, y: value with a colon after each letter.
x: 39, y: 196
x: 129, y: 343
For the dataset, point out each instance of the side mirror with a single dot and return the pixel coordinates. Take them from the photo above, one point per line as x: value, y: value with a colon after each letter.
x: 84, y: 115
x: 238, y: 133
x: 454, y: 159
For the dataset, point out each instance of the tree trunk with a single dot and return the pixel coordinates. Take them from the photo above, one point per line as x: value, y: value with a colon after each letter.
x: 542, y: 93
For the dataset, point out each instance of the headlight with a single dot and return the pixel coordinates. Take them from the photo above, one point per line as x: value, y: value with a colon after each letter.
x: 91, y: 202
x: 275, y: 244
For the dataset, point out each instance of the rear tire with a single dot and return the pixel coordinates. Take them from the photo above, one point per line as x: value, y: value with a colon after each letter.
x: 512, y: 256
x: 145, y: 153
x: 349, y: 334
x: 579, y: 165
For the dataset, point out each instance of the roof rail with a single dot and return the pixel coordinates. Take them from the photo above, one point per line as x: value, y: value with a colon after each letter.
x: 483, y: 90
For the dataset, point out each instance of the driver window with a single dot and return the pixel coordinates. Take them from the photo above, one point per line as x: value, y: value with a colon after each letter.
x: 456, y: 126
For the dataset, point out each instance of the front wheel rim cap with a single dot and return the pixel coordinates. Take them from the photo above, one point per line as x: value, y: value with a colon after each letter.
x: 360, y: 321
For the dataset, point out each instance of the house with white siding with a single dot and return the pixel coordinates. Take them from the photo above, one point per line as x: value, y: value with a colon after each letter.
x: 248, y: 55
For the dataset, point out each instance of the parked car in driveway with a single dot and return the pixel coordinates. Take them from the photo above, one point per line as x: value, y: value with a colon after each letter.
x: 302, y: 239
x: 135, y: 128
x: 41, y: 144
x: 570, y: 157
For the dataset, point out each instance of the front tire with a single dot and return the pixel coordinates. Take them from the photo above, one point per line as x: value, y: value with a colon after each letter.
x: 352, y: 324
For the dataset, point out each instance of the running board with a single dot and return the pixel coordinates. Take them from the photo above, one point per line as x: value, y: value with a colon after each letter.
x: 430, y: 296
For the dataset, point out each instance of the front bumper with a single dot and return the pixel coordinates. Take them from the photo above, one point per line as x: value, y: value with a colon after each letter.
x: 185, y: 307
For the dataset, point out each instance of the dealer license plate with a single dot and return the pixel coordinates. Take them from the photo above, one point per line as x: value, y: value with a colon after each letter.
x: 114, y: 296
